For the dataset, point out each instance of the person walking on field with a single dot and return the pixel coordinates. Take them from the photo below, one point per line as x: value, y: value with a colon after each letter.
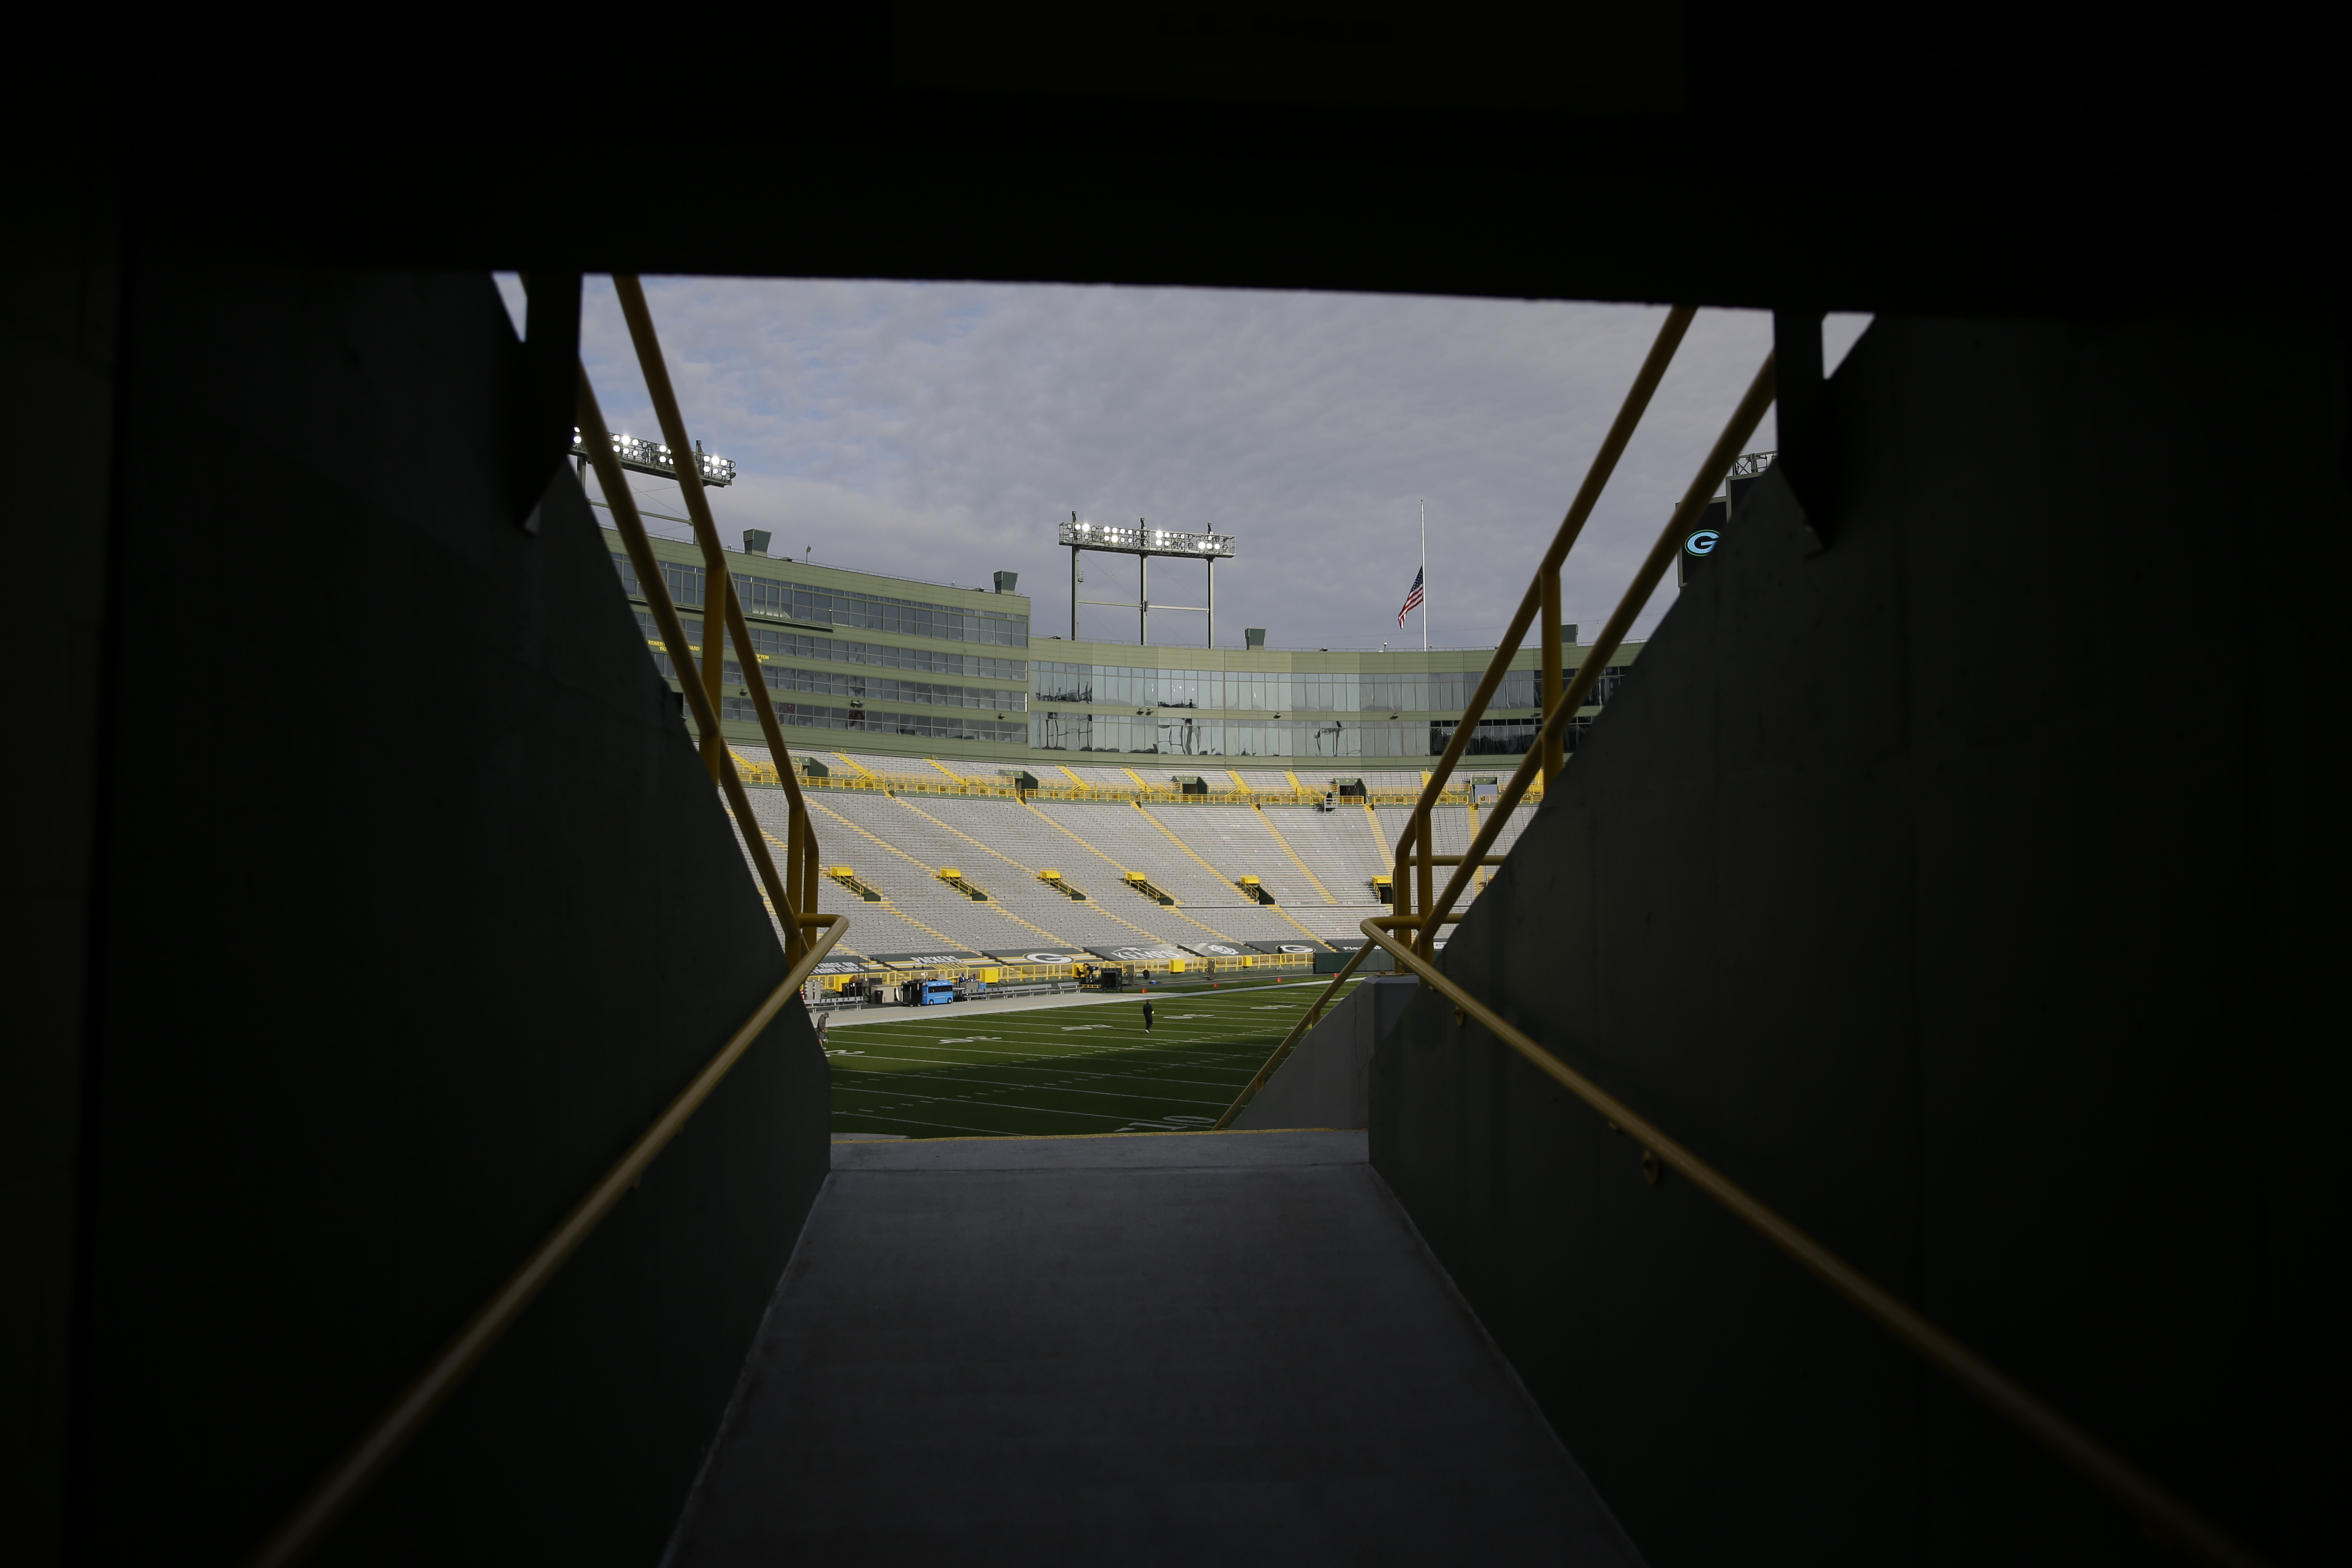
x: 1147, y: 1015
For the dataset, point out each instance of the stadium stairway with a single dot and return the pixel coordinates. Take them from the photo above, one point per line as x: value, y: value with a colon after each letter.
x: 1028, y: 847
x: 1238, y: 841
x: 1149, y: 1349
x: 1120, y: 825
x: 1990, y: 1006
x: 1931, y: 883
x: 1013, y: 885
x: 913, y: 887
x: 1291, y: 853
x: 1343, y: 855
x: 2031, y: 1067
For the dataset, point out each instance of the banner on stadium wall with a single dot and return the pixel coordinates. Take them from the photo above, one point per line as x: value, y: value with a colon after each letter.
x: 1160, y: 954
x: 1041, y: 955
x: 1217, y: 949
x: 1350, y: 944
x: 924, y: 960
x: 849, y: 966
x: 1289, y: 947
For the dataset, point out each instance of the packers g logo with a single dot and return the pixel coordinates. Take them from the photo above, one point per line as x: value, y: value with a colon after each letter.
x: 1703, y: 542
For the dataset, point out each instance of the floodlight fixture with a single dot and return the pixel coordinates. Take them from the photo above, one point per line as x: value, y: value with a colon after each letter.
x: 653, y: 458
x: 1144, y: 541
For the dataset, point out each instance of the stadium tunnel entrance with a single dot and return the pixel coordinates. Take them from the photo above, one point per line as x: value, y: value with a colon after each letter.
x: 423, y: 1146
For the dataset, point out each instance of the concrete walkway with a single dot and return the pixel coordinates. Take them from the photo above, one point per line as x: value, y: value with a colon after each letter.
x: 1175, y: 1348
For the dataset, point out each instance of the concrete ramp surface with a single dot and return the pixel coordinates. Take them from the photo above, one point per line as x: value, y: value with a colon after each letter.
x: 1181, y: 1348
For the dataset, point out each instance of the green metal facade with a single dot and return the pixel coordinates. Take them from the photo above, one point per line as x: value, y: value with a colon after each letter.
x: 893, y: 666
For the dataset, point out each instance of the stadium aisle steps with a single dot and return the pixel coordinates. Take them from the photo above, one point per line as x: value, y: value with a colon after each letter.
x: 1029, y: 846
x: 1319, y: 864
x: 1130, y: 836
x: 1123, y: 836
x: 1225, y: 1348
x: 1013, y: 888
x: 911, y: 884
x: 1244, y: 846
x: 1232, y: 841
x: 1339, y: 922
x: 1290, y: 853
x: 1345, y: 858
x: 1190, y: 876
x: 872, y: 928
x: 1012, y: 892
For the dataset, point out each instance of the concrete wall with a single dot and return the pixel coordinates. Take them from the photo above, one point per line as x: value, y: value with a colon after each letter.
x: 58, y: 288
x: 1326, y: 1081
x: 1971, y: 893
x: 370, y: 1016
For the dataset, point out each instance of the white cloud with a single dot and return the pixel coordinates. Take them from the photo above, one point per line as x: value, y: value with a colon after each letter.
x: 941, y: 431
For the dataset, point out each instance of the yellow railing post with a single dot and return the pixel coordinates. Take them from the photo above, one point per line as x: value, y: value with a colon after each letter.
x: 714, y: 658
x: 1596, y: 479
x: 1425, y: 844
x: 316, y: 1516
x: 632, y: 530
x: 1717, y: 463
x: 1553, y: 753
x: 800, y: 842
x: 2169, y: 1521
x: 1401, y: 882
x: 1282, y: 1049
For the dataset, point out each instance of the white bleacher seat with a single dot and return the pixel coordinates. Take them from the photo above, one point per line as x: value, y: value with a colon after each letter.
x: 1000, y: 843
x: 1108, y: 777
x: 1271, y: 780
x: 1127, y: 836
x: 1337, y: 845
x: 1235, y: 841
x: 913, y: 887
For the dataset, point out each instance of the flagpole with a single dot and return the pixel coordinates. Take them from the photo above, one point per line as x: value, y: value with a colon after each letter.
x: 1424, y: 575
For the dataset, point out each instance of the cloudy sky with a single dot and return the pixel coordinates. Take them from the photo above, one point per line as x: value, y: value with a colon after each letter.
x: 941, y: 430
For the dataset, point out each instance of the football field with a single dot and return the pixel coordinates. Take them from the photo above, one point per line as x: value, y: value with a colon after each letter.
x: 943, y: 1072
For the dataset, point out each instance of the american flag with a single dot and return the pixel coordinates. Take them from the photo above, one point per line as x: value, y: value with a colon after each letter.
x: 1412, y: 600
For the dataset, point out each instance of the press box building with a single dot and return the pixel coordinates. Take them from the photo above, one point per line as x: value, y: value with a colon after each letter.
x: 896, y: 666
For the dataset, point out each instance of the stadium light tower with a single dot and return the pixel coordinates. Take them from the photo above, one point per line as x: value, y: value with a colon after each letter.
x: 1144, y: 542
x: 653, y: 458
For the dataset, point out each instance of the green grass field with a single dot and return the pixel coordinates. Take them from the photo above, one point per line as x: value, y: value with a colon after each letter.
x: 951, y: 1072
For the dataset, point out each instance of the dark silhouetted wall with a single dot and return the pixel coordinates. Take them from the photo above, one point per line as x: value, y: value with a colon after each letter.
x: 1970, y: 892
x: 414, y: 909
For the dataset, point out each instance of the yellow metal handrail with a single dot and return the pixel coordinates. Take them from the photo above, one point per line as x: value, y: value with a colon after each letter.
x: 1596, y: 479
x: 1281, y: 1052
x: 1289, y: 1042
x: 2173, y: 1521
x: 801, y: 861
x: 1717, y: 463
x: 342, y: 1486
x: 632, y: 530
